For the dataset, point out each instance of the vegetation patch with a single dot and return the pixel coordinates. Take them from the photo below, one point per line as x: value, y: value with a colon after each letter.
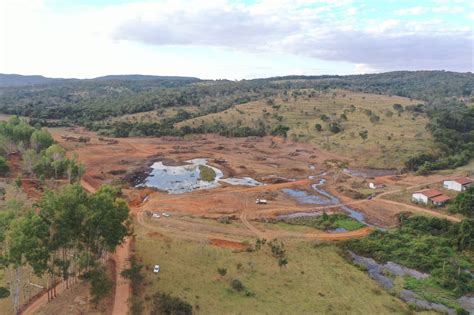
x: 328, y: 222
x: 435, y: 246
x: 206, y: 173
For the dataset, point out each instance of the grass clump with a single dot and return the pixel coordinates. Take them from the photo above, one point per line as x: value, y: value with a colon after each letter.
x: 207, y: 174
x: 328, y: 222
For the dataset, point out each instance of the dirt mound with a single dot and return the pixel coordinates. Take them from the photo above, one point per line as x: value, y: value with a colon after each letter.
x: 227, y: 244
x: 155, y: 235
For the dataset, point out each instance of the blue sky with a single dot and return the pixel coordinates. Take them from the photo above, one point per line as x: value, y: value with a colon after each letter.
x: 233, y: 39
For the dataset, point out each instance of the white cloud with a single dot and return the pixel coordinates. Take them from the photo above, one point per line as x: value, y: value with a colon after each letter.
x: 411, y: 11
x: 136, y: 38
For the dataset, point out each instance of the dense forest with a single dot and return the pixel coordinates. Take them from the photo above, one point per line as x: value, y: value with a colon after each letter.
x: 447, y: 100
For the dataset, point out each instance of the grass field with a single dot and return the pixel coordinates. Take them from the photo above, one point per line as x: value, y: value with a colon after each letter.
x: 154, y: 115
x: 316, y: 280
x: 390, y: 140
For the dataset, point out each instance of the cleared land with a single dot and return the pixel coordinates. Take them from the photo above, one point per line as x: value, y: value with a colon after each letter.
x: 190, y: 245
x: 390, y: 140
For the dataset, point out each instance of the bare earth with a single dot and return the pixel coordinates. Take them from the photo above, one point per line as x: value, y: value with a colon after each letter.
x: 277, y: 162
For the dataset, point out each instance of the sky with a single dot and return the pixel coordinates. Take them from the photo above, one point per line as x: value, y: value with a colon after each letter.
x: 241, y: 39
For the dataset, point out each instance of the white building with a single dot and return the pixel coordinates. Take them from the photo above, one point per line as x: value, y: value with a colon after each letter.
x: 428, y: 196
x: 374, y: 185
x: 458, y: 184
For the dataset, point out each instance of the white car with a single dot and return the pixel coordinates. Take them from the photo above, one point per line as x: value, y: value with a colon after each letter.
x: 156, y: 215
x: 156, y: 269
x: 165, y: 214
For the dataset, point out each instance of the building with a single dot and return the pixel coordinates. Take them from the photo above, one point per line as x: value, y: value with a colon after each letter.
x: 458, y: 184
x: 374, y: 185
x: 430, y: 196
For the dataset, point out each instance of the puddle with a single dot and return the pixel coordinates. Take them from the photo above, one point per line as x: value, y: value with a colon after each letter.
x: 337, y: 230
x: 186, y: 178
x: 323, y: 199
x: 245, y: 181
x: 299, y: 215
x: 180, y: 179
x: 305, y: 198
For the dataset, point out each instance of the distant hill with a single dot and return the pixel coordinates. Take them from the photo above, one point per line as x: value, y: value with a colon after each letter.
x: 12, y: 80
x: 21, y: 80
x: 140, y: 77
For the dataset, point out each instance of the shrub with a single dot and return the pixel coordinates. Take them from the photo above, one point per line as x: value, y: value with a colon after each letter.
x: 4, y: 168
x: 4, y: 292
x: 165, y: 304
x: 222, y: 271
x: 237, y: 285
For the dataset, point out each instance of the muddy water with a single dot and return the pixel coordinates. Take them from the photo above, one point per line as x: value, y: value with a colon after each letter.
x: 186, y: 178
x: 323, y: 198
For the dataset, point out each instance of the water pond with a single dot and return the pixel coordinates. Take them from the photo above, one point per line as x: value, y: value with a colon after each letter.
x: 186, y: 178
x: 322, y: 198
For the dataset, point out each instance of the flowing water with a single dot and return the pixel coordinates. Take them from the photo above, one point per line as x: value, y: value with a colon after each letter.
x: 322, y: 198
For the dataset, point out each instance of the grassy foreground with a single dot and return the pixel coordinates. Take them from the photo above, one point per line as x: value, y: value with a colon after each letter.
x: 316, y: 280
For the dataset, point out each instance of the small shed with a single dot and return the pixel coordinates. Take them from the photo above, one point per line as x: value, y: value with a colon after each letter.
x: 428, y: 196
x: 458, y: 184
x: 375, y: 185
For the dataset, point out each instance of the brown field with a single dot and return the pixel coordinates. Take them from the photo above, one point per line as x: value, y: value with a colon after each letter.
x: 193, y: 215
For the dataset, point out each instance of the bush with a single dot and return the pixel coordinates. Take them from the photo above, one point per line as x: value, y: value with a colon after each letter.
x: 4, y: 293
x: 222, y: 271
x: 165, y: 304
x: 4, y: 168
x: 237, y: 285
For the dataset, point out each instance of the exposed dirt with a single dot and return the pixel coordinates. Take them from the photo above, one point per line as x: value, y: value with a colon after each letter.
x: 277, y: 162
x: 227, y: 244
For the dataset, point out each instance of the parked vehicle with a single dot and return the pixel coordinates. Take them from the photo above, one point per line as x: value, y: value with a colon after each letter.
x: 156, y: 269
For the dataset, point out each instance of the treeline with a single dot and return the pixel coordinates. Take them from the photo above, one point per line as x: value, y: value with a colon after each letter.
x: 81, y: 101
x: 85, y: 101
x: 167, y: 127
x: 66, y: 236
x: 452, y: 128
x: 40, y: 156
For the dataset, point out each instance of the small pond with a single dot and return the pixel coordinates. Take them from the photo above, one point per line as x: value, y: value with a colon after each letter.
x: 186, y: 178
x: 322, y: 198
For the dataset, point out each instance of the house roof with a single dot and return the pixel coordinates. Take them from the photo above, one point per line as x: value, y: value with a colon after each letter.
x: 462, y: 180
x: 430, y: 193
x: 440, y: 198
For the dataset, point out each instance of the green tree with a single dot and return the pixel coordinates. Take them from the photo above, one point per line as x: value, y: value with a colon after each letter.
x: 318, y: 127
x: 29, y: 159
x: 464, y: 203
x: 101, y: 285
x: 106, y: 223
x: 41, y: 139
x: 4, y: 168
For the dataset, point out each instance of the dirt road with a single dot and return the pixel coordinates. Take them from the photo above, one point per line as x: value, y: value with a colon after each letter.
x: 122, y: 285
x: 121, y: 257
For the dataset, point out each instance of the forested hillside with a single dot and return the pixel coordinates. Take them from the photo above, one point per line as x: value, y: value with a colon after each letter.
x: 445, y: 98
